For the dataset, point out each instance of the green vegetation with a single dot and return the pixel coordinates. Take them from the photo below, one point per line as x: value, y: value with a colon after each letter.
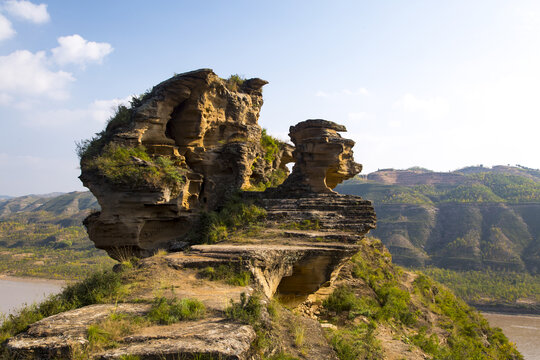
x: 357, y: 342
x: 235, y: 214
x: 91, y: 148
x: 169, y: 311
x: 388, y: 297
x: 107, y: 333
x: 303, y: 225
x: 234, y: 82
x: 276, y: 178
x: 98, y: 287
x: 474, y: 188
x: 232, y: 274
x: 44, y: 237
x: 270, y: 146
x: 248, y: 310
x: 133, y: 166
x: 467, y: 330
x: 489, y: 286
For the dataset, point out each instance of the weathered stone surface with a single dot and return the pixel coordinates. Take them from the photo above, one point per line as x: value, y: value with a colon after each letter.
x: 208, y: 337
x: 206, y: 126
x: 330, y: 211
x: 323, y: 159
x: 55, y: 337
x: 311, y: 264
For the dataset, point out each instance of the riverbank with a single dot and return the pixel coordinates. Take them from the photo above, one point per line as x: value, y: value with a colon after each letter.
x: 37, y: 280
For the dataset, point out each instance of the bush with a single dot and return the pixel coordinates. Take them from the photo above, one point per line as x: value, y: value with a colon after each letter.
x: 234, y: 82
x: 270, y: 146
x: 248, y: 310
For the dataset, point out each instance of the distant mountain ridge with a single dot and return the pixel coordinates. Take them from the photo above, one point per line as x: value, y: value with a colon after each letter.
x: 472, y: 218
x: 66, y: 204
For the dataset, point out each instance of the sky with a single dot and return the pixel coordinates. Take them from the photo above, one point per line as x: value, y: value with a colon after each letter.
x: 442, y: 85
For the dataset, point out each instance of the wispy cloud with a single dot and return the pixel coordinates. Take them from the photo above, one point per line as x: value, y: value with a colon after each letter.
x: 26, y: 10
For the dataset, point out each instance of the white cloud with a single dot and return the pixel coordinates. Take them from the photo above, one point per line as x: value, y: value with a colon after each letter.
x: 28, y: 11
x: 436, y: 107
x: 344, y: 92
x: 6, y: 31
x: 75, y: 49
x: 25, y: 73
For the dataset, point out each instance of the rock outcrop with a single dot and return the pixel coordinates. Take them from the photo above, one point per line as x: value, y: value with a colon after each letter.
x: 323, y: 159
x: 206, y: 127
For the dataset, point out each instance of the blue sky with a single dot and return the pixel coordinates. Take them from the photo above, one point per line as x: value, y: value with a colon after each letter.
x: 436, y: 84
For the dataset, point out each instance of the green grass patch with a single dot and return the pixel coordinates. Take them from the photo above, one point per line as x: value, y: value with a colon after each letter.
x: 358, y: 342
x: 134, y: 167
x: 235, y: 214
x: 169, y: 311
x: 231, y: 273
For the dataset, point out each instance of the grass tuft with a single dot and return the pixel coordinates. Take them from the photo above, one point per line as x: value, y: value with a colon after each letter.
x: 169, y: 311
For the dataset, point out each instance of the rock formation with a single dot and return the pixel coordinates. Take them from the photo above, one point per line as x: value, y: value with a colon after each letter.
x: 207, y: 128
x: 180, y: 150
x: 323, y: 159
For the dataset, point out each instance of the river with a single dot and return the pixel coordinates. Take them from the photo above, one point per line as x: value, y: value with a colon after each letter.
x: 14, y: 292
x: 523, y: 330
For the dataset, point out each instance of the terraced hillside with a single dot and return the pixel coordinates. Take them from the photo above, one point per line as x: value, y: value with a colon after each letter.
x: 470, y: 219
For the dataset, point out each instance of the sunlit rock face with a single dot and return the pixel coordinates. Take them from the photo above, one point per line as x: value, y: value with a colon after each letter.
x: 323, y: 159
x: 208, y: 128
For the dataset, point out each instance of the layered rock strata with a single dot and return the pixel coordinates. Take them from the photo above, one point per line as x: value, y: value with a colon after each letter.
x: 207, y: 127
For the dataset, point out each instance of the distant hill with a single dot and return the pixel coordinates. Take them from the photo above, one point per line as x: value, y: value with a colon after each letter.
x: 43, y: 235
x: 4, y: 197
x: 472, y: 218
x: 59, y: 204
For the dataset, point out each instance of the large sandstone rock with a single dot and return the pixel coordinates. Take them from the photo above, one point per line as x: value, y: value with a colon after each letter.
x: 208, y: 127
x: 323, y: 159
